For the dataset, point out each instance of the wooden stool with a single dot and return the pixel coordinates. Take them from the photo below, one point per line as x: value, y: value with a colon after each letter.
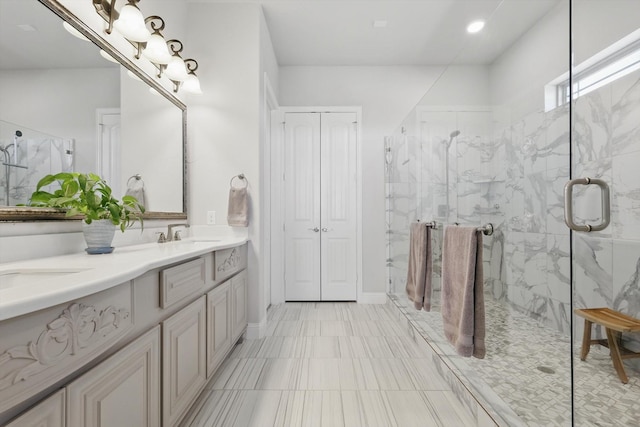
x: 614, y: 323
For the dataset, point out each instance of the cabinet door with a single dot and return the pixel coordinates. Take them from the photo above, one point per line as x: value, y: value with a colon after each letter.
x: 218, y: 325
x: 48, y: 413
x: 238, y: 305
x: 184, y: 370
x: 124, y: 390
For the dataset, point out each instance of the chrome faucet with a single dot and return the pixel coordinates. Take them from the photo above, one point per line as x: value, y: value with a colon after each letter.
x: 171, y: 236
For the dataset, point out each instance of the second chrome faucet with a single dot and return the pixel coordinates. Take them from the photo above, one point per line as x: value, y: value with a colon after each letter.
x: 171, y: 235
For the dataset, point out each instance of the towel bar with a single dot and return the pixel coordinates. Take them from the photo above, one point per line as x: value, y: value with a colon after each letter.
x: 486, y: 229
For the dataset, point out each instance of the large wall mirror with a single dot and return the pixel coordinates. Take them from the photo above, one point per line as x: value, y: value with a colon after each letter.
x: 65, y: 106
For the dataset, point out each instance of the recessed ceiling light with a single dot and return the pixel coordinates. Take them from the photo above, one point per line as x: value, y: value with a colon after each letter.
x: 475, y: 26
x: 27, y: 27
x: 379, y: 24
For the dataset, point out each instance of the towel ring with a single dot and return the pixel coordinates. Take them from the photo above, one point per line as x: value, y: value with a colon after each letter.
x: 137, y: 177
x: 241, y: 178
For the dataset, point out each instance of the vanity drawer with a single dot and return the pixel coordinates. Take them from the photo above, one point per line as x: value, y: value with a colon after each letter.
x: 229, y: 261
x: 181, y: 281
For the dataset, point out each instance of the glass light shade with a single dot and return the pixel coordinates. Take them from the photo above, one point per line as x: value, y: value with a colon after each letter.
x: 191, y: 84
x: 156, y: 50
x: 131, y: 24
x: 176, y: 69
x: 133, y: 75
x: 73, y: 31
x: 108, y: 57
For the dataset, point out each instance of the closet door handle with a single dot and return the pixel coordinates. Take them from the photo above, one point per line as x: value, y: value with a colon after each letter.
x: 568, y: 204
x: 325, y: 229
x: 315, y: 229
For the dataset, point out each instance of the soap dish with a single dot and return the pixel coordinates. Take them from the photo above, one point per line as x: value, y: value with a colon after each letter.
x: 97, y: 251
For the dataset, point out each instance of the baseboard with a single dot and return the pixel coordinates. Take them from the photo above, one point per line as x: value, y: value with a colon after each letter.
x: 372, y: 298
x: 256, y: 330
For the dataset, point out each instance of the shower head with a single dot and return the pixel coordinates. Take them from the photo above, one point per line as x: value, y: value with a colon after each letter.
x: 454, y: 134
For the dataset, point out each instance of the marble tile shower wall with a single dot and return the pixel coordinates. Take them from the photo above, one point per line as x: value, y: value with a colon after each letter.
x: 41, y: 156
x: 607, y: 146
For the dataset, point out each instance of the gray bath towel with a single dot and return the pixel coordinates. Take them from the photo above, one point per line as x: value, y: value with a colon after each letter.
x: 420, y: 265
x: 462, y: 293
x: 238, y: 207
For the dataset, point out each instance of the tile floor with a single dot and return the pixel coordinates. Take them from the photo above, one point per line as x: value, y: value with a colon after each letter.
x: 329, y: 364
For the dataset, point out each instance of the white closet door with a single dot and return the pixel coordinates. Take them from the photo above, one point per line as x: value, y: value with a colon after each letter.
x: 302, y: 207
x: 338, y: 206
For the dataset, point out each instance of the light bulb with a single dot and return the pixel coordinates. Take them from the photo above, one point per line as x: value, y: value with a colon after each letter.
x: 475, y: 27
x: 131, y: 24
x: 156, y: 50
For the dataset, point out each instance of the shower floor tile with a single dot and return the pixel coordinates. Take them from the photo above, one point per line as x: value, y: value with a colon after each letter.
x: 529, y: 368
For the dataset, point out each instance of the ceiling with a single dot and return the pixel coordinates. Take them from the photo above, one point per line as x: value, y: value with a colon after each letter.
x: 418, y: 32
x: 319, y: 32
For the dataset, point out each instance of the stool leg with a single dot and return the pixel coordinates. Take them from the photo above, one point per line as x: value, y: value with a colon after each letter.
x: 586, y: 340
x: 615, y: 355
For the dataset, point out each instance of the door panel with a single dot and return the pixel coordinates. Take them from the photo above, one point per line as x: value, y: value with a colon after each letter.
x: 302, y: 207
x: 338, y: 206
x: 321, y: 206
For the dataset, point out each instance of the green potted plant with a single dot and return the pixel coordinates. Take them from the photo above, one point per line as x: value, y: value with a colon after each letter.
x: 90, y: 196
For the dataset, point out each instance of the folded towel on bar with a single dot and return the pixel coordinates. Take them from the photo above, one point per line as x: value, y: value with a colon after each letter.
x: 420, y: 266
x: 238, y: 207
x: 135, y: 188
x: 462, y: 290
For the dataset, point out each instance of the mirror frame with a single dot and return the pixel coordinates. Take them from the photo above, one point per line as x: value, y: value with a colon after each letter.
x: 18, y: 213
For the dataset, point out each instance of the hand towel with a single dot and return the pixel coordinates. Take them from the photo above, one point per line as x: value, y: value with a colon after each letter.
x: 462, y: 290
x: 238, y: 207
x: 135, y: 188
x: 420, y: 265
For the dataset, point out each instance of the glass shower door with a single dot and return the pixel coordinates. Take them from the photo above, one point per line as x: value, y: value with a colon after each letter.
x: 605, y: 94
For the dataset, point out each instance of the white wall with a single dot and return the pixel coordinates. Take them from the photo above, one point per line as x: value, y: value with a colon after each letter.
x: 519, y: 75
x: 224, y: 124
x: 386, y: 95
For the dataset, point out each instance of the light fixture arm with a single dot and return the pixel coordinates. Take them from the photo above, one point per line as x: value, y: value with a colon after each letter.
x: 192, y: 65
x: 172, y: 45
x: 156, y: 30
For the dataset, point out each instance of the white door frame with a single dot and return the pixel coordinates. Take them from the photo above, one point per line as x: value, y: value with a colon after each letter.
x: 278, y: 202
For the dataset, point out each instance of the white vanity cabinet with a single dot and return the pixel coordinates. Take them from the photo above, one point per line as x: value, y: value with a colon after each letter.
x: 124, y: 390
x: 218, y: 325
x: 238, y: 305
x: 48, y: 413
x: 136, y: 354
x: 184, y: 370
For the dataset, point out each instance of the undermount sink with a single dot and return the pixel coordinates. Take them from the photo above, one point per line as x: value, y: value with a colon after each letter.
x: 24, y: 276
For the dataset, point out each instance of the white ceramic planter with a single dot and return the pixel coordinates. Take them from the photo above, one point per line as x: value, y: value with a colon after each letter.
x: 99, y: 235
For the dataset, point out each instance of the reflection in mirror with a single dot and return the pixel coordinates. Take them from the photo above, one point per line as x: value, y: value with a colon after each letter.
x: 74, y: 109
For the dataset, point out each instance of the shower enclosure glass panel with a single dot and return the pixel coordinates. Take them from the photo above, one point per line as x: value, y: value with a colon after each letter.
x: 606, y: 145
x: 494, y: 151
x: 27, y: 155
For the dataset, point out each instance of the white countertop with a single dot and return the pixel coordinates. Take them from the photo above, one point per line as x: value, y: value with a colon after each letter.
x: 45, y: 282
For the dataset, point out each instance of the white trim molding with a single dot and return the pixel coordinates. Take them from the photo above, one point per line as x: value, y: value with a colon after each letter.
x: 256, y: 330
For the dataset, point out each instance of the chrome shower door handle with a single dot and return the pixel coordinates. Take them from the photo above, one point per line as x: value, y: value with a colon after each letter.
x: 568, y: 204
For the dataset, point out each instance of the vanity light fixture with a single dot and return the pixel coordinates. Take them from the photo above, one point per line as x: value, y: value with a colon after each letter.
x: 191, y: 84
x: 475, y: 26
x: 165, y: 56
x: 130, y: 23
x: 176, y: 69
x: 156, y: 49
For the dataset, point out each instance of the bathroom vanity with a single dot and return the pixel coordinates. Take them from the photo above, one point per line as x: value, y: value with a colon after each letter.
x: 126, y: 339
